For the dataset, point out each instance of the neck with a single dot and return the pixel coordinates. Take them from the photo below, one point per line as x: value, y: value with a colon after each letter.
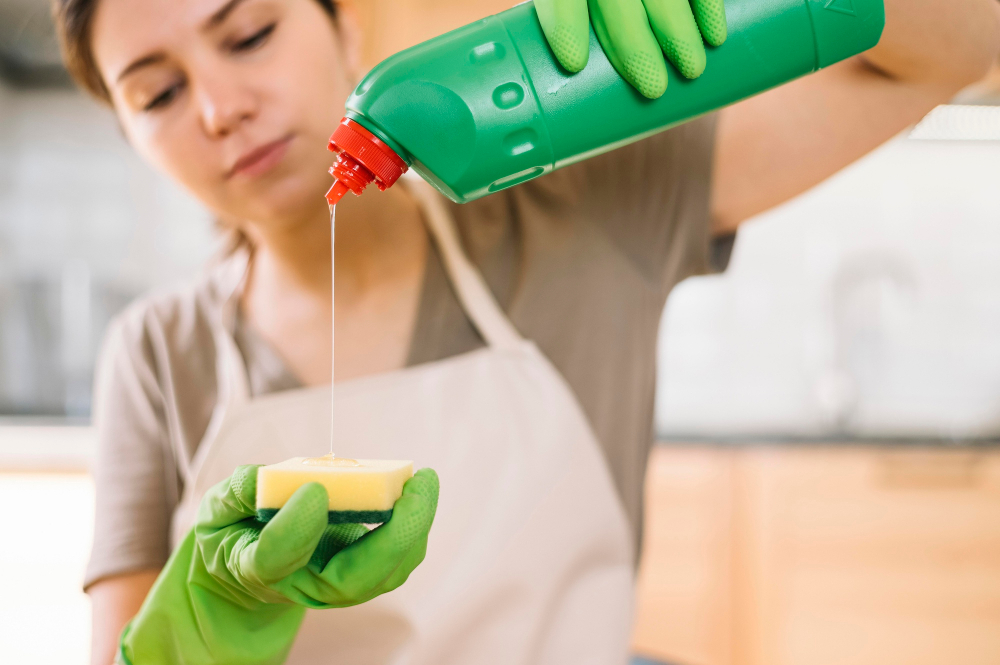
x: 295, y: 255
x: 381, y: 252
x: 376, y: 234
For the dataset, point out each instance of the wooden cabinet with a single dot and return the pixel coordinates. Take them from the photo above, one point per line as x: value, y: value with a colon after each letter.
x: 804, y: 555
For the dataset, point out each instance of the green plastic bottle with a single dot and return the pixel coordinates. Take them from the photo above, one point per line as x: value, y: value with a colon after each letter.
x: 487, y: 106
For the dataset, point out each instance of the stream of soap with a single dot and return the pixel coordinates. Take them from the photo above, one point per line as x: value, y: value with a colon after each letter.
x: 333, y: 321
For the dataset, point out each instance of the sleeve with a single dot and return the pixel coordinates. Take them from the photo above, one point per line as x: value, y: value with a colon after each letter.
x: 651, y: 199
x: 132, y: 521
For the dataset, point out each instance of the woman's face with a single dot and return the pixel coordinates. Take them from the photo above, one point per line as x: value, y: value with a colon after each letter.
x: 235, y: 99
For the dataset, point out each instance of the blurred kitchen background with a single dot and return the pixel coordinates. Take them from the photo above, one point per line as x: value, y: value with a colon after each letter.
x: 828, y: 485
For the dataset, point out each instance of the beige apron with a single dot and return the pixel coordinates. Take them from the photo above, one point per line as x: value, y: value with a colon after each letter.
x: 530, y: 558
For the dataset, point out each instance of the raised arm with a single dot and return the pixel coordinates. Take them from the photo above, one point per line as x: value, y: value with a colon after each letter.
x: 776, y: 145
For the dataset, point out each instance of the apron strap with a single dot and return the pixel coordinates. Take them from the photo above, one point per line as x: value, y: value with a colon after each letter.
x: 473, y: 294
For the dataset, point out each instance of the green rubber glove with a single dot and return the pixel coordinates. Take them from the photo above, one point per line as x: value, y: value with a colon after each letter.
x: 236, y: 590
x: 635, y: 34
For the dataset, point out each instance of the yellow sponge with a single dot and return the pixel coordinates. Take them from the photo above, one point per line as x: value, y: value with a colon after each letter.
x: 360, y: 491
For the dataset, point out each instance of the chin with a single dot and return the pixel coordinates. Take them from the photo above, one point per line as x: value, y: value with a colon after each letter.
x: 291, y: 200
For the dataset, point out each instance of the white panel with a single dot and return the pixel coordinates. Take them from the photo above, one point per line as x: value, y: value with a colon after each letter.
x: 868, y: 306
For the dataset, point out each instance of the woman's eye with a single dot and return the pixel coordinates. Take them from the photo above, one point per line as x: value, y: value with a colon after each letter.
x: 255, y: 40
x: 163, y: 99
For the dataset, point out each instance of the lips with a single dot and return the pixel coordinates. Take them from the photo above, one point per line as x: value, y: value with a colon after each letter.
x: 260, y: 160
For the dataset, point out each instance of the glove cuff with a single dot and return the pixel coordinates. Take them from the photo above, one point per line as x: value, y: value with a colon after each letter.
x: 120, y: 657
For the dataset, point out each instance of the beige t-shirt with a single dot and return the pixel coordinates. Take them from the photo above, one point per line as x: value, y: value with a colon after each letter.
x: 582, y: 261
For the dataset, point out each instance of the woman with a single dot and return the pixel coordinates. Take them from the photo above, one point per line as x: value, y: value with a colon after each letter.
x: 541, y: 447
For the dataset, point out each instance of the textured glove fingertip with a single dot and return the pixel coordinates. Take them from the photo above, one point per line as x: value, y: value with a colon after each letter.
x: 335, y: 538
x: 411, y: 520
x: 305, y: 514
x: 689, y: 59
x: 227, y: 502
x: 243, y: 483
x: 413, y: 526
x: 424, y: 483
x: 717, y: 38
x: 711, y: 18
x: 646, y: 73
x: 571, y: 48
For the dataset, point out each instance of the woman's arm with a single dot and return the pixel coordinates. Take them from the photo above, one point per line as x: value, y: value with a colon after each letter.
x: 132, y: 510
x: 776, y: 145
x: 113, y: 602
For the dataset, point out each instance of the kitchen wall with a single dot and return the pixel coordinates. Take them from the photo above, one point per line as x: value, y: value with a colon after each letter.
x: 870, y: 306
x: 84, y: 227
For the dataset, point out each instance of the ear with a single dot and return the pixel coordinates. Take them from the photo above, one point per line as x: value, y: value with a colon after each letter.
x: 350, y: 36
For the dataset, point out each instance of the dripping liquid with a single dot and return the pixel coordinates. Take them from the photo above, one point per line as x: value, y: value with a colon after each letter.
x: 333, y: 323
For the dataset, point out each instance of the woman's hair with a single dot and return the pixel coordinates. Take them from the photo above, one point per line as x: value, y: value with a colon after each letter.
x: 73, y: 19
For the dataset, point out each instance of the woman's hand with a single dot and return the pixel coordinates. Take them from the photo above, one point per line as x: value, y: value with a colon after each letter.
x: 635, y: 34
x: 235, y: 591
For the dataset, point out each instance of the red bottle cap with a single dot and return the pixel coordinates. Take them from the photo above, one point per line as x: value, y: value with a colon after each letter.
x: 361, y: 159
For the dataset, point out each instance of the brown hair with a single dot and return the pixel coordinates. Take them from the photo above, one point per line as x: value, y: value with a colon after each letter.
x: 73, y: 19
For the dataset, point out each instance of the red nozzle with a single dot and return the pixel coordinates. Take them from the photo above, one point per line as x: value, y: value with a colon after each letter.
x: 361, y: 159
x: 336, y: 192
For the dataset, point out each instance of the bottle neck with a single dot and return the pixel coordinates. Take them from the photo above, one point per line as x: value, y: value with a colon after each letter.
x: 362, y: 158
x: 349, y: 175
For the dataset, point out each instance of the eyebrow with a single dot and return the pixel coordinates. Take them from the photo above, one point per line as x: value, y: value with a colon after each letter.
x: 145, y: 61
x: 220, y: 15
x: 154, y: 58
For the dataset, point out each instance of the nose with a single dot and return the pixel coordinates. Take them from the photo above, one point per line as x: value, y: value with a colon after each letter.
x: 224, y: 104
